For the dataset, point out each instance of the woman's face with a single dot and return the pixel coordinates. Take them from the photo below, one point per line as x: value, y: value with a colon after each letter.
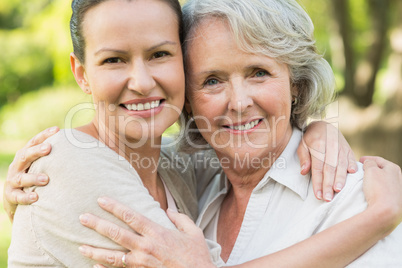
x: 134, y: 66
x: 241, y: 102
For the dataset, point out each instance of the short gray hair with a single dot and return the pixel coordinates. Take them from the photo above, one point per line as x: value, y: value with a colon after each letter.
x: 280, y: 29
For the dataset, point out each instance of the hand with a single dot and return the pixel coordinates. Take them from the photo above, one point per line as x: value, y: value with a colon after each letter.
x: 150, y: 244
x: 18, y: 178
x: 382, y: 187
x: 326, y: 152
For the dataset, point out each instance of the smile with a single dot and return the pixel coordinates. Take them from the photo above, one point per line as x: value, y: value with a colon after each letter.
x: 143, y: 106
x: 245, y: 127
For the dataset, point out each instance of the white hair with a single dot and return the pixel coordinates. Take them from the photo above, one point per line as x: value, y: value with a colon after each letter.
x: 280, y: 29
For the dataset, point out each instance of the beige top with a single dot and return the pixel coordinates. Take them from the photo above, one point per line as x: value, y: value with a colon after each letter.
x: 282, y: 210
x: 48, y: 232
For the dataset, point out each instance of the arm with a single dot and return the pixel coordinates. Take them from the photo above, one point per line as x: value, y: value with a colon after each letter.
x: 335, y: 247
x: 319, y: 138
x: 325, y: 152
x: 48, y: 232
x: 17, y: 176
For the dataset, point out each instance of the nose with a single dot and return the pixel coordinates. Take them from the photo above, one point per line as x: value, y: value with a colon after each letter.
x: 240, y: 97
x: 141, y: 79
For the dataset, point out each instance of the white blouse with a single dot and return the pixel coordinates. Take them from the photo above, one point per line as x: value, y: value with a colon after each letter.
x: 283, y: 210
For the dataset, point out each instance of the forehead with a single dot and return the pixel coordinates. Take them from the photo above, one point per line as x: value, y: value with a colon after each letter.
x: 134, y: 19
x: 213, y: 48
x: 208, y: 39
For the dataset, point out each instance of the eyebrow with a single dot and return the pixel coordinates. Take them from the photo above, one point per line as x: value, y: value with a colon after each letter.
x: 110, y: 50
x: 167, y: 42
x: 125, y: 52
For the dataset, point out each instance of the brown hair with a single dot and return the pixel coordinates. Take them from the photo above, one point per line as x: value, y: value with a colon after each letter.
x: 80, y: 7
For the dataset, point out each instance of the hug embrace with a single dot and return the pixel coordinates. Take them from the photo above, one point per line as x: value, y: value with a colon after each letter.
x: 244, y: 184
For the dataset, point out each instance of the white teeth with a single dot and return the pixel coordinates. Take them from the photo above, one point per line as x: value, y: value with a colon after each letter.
x: 143, y: 106
x: 246, y: 126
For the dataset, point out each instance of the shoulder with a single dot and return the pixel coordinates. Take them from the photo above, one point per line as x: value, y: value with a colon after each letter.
x: 350, y: 200
x: 73, y: 151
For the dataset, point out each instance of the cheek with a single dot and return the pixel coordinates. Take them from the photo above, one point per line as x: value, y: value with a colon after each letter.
x: 106, y: 86
x: 276, y: 101
x: 206, y: 105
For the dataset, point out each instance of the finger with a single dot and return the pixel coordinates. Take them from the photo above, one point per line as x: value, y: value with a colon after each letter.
x: 317, y: 178
x: 24, y: 157
x: 99, y: 266
x: 328, y: 183
x: 42, y: 136
x: 136, y: 221
x: 111, y: 257
x: 19, y: 197
x: 305, y: 157
x: 381, y: 162
x: 341, y: 173
x: 120, y: 235
x: 352, y: 165
x: 369, y: 164
x: 182, y: 222
x: 27, y: 180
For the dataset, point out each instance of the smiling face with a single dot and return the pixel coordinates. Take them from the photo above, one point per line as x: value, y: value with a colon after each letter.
x: 241, y: 102
x: 133, y: 67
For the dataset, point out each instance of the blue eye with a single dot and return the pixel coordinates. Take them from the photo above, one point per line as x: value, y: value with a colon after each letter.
x: 261, y: 73
x: 211, y: 82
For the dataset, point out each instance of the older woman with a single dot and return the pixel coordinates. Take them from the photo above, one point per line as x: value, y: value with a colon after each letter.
x: 254, y: 78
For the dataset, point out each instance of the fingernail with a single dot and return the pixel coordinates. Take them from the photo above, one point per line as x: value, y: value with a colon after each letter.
x: 42, y: 178
x: 319, y: 195
x: 171, y: 210
x: 84, y: 219
x: 32, y: 197
x: 328, y: 196
x: 44, y: 147
x: 303, y: 167
x: 52, y: 129
x: 352, y: 170
x: 339, y: 186
x: 82, y: 249
x: 102, y: 201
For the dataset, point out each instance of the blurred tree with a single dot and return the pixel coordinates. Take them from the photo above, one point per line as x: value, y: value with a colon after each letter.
x: 34, y: 39
x: 360, y: 69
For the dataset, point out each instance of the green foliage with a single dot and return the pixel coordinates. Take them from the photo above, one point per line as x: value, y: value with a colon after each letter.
x: 38, y: 110
x: 36, y: 44
x: 24, y: 67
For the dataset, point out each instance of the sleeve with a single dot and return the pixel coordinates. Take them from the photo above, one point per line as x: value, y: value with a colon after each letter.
x: 388, y: 251
x: 78, y: 177
x: 207, y: 167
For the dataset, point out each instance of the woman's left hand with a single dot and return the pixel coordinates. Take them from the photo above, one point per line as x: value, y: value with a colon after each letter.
x: 149, y: 244
x: 326, y: 152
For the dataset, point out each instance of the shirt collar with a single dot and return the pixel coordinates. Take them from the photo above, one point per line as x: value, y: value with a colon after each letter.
x: 286, y: 169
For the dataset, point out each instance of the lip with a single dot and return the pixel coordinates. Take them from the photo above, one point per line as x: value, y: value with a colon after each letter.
x: 234, y: 131
x: 136, y: 101
x: 145, y: 113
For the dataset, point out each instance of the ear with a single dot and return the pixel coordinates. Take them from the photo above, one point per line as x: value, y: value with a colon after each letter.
x: 80, y: 76
x: 294, y: 91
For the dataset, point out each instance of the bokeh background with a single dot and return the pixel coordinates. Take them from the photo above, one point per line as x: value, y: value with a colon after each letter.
x: 361, y: 39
